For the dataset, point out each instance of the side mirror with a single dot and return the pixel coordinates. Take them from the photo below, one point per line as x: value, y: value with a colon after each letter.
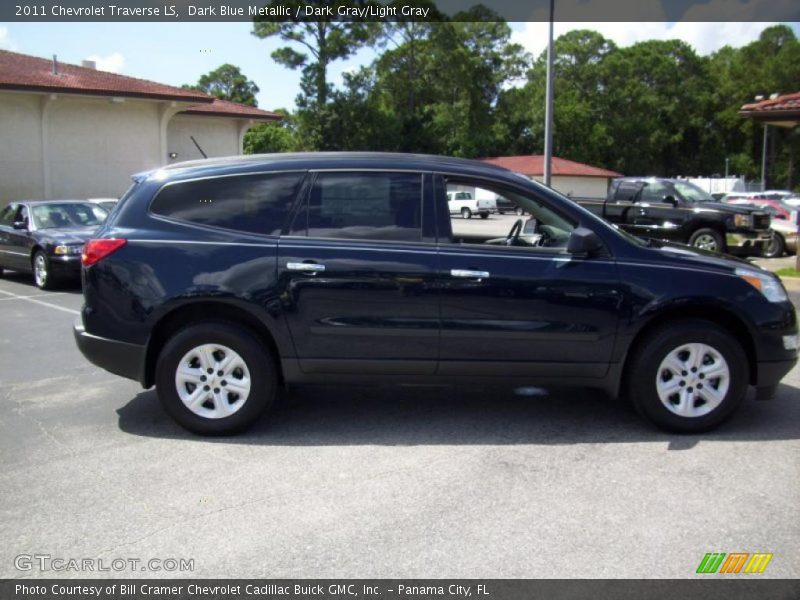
x: 670, y: 199
x: 583, y: 242
x: 20, y: 225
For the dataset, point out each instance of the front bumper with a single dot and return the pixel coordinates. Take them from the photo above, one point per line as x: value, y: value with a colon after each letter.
x: 120, y: 358
x: 748, y: 244
x: 65, y: 265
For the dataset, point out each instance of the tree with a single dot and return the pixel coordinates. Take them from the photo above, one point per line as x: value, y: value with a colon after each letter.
x: 441, y: 80
x: 272, y: 136
x: 768, y: 65
x: 320, y: 43
x: 228, y: 83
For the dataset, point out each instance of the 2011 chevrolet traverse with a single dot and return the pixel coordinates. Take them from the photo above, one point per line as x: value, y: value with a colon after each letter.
x: 219, y: 280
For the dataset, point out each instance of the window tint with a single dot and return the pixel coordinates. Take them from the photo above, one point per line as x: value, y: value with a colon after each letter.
x: 654, y: 192
x: 251, y: 203
x: 363, y: 206
x: 67, y: 214
x: 7, y: 216
x: 627, y: 191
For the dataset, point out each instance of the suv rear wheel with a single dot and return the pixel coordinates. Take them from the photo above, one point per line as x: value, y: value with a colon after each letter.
x: 688, y: 376
x: 215, y: 378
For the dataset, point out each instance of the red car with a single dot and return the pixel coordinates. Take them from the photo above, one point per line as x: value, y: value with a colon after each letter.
x: 782, y: 210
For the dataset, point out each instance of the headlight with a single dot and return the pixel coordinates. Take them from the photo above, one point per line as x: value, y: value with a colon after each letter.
x: 744, y: 221
x: 64, y: 249
x: 766, y: 283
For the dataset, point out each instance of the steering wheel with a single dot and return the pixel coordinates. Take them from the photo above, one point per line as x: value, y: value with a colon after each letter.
x: 513, y: 235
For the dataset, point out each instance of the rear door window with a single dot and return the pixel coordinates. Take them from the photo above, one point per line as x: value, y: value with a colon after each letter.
x: 655, y: 192
x: 249, y: 203
x: 627, y: 191
x: 363, y: 206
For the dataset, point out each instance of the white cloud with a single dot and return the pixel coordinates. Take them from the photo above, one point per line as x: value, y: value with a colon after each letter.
x: 112, y: 63
x: 5, y: 40
x: 704, y: 37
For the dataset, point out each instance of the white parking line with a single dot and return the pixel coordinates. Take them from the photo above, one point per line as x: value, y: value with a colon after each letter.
x: 35, y: 301
x: 32, y: 296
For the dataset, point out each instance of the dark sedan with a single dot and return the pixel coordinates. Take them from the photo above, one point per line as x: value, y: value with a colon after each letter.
x: 46, y: 237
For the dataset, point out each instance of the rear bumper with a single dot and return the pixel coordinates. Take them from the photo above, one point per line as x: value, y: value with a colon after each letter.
x: 120, y: 358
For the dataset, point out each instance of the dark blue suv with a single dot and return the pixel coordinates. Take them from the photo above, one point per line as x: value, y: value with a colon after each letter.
x: 218, y: 281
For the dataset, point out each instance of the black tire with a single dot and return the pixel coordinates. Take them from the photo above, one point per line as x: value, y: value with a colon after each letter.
x: 501, y: 212
x: 704, y: 239
x: 466, y: 213
x: 484, y: 215
x: 44, y: 280
x: 647, y: 357
x: 519, y: 211
x: 776, y: 248
x: 260, y: 363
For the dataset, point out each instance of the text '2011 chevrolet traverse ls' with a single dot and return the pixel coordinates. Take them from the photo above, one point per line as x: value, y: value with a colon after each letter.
x: 219, y: 280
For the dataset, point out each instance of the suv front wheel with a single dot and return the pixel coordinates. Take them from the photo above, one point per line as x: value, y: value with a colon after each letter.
x: 688, y: 376
x: 215, y: 378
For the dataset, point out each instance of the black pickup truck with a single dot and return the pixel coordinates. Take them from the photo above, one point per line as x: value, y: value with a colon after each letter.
x: 679, y: 211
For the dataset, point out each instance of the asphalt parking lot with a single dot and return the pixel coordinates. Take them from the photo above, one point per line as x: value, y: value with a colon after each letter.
x: 375, y: 481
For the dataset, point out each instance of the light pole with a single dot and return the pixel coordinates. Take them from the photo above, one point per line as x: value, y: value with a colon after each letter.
x: 764, y: 160
x: 548, y: 106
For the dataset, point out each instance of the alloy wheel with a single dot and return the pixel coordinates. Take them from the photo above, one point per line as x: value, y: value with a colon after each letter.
x: 213, y: 381
x: 706, y: 242
x: 693, y: 380
x: 40, y: 270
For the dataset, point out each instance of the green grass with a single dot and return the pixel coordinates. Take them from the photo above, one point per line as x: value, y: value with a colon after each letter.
x: 787, y: 272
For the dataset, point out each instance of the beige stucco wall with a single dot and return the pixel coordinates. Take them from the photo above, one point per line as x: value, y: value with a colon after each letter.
x: 217, y: 136
x: 96, y: 144
x: 21, y: 174
x: 70, y: 146
x: 580, y: 187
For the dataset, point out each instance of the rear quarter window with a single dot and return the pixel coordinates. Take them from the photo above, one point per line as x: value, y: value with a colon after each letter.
x: 247, y: 203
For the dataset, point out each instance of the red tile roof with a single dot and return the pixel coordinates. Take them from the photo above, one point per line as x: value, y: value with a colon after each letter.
x: 532, y: 165
x: 224, y: 108
x: 782, y: 110
x: 29, y: 73
x: 23, y: 72
x: 785, y: 102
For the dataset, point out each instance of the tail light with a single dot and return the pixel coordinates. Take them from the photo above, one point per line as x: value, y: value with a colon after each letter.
x: 96, y: 250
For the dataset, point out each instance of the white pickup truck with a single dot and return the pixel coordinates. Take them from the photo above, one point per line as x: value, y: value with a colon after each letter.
x: 466, y: 205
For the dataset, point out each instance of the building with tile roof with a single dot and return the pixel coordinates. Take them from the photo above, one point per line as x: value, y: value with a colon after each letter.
x: 69, y: 131
x: 781, y: 111
x: 569, y: 177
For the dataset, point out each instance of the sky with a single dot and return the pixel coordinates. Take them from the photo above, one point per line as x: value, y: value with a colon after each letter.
x: 178, y: 53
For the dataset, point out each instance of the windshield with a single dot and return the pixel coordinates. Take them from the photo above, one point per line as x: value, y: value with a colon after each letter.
x: 691, y: 192
x: 68, y: 214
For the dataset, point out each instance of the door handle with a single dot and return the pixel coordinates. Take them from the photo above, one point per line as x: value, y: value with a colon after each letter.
x: 305, y: 267
x: 467, y: 274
